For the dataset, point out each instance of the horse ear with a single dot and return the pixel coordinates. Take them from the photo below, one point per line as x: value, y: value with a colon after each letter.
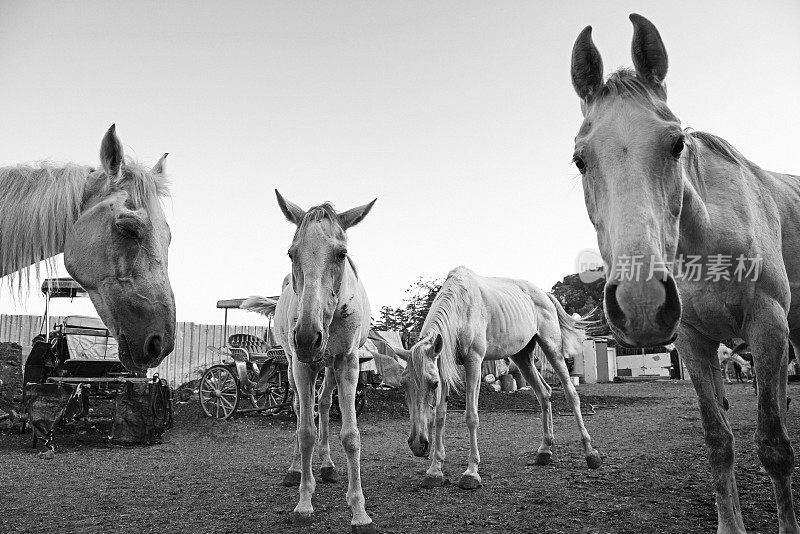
x: 356, y: 215
x: 160, y: 165
x: 111, y: 156
x: 587, y: 66
x: 648, y: 51
x: 290, y: 210
x: 437, y: 344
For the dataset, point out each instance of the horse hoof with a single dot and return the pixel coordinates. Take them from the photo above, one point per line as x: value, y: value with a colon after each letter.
x: 593, y: 460
x: 369, y: 528
x: 47, y: 455
x: 543, y: 458
x: 302, y: 519
x: 432, y: 482
x: 291, y: 479
x: 328, y: 475
x: 468, y: 482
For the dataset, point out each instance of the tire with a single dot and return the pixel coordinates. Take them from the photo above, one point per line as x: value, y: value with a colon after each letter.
x: 219, y: 392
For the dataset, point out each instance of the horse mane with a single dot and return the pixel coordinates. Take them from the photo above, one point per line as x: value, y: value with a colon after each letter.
x: 323, y: 212
x: 444, y: 318
x: 692, y: 162
x: 624, y: 83
x: 41, y: 201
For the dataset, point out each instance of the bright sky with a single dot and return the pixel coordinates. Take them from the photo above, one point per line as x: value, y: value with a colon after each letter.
x: 458, y: 116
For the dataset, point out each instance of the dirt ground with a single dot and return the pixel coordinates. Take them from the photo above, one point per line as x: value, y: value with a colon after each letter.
x: 211, y: 476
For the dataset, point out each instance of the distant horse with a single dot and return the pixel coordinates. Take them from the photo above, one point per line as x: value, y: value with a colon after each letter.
x: 727, y: 358
x: 471, y: 320
x: 700, y: 242
x: 110, y: 225
x: 322, y: 318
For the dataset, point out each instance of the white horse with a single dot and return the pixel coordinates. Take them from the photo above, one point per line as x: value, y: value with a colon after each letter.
x: 727, y: 357
x: 472, y: 319
x: 322, y: 319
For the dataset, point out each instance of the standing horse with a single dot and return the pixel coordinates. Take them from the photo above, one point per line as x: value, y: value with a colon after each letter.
x: 322, y: 318
x: 110, y: 226
x: 668, y: 202
x: 473, y: 319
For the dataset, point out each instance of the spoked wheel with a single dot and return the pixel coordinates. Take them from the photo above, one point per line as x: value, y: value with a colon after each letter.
x: 219, y: 392
x: 275, y: 397
x: 335, y: 413
x: 260, y: 399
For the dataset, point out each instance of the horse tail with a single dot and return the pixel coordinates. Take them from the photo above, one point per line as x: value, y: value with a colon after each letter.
x: 571, y: 329
x: 262, y: 305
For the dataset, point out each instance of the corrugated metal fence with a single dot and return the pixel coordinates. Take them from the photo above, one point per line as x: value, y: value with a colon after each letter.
x: 187, y: 362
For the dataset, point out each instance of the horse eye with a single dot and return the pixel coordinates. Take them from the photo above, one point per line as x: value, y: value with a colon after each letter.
x: 677, y: 148
x: 341, y: 255
x: 579, y: 163
x: 435, y: 386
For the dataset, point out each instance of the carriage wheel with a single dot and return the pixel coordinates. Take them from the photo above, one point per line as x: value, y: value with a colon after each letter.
x: 219, y: 392
x: 335, y: 413
x: 262, y: 399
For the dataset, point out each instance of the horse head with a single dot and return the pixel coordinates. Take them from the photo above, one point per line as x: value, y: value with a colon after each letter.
x: 319, y: 259
x: 423, y: 387
x: 117, y: 250
x: 628, y: 151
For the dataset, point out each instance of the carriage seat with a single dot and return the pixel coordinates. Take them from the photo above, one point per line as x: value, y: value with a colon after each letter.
x: 89, y: 339
x: 91, y: 349
x: 249, y: 347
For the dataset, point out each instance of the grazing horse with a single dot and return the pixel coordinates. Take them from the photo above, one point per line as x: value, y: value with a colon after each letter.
x: 110, y: 225
x: 700, y: 243
x: 322, y: 318
x: 473, y: 319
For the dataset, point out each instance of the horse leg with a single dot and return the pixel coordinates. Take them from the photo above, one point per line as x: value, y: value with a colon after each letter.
x: 434, y: 476
x: 328, y: 469
x: 767, y: 335
x: 292, y: 476
x: 553, y: 348
x: 700, y: 355
x: 524, y: 361
x: 305, y: 378
x: 472, y: 367
x: 347, y: 380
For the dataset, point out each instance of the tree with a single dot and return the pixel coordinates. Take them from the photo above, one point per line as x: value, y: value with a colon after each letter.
x: 408, y: 319
x: 578, y: 296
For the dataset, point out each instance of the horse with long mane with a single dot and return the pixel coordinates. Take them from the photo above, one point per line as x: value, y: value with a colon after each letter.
x: 110, y: 225
x: 701, y: 244
x: 322, y: 318
x: 471, y: 320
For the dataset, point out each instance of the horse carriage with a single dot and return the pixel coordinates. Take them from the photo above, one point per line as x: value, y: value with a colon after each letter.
x: 77, y: 362
x: 255, y: 370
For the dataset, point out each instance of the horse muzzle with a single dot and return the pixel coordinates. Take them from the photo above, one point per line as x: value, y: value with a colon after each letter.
x: 643, y: 313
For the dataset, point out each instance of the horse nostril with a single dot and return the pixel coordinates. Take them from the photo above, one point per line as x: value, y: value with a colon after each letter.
x: 153, y: 346
x: 424, y: 444
x: 318, y: 340
x: 613, y: 311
